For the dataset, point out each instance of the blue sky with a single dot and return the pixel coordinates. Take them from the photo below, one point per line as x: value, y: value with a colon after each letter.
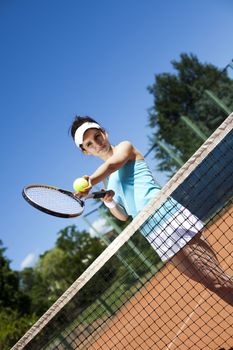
x: 65, y: 57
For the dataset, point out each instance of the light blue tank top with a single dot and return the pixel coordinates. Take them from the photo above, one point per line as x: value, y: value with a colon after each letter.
x: 135, y: 187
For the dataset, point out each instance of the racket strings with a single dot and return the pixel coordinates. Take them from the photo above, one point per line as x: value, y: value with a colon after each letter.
x: 54, y: 200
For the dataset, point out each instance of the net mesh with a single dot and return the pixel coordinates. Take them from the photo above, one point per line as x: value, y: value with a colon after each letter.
x: 159, y: 296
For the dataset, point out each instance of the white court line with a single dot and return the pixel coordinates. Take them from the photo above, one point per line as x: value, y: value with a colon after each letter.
x: 187, y: 320
x: 193, y: 312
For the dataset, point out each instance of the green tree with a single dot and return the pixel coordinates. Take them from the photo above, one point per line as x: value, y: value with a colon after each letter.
x: 59, y: 267
x: 15, y: 305
x: 80, y: 251
x: 183, y: 93
x: 38, y: 288
x: 50, y: 267
x: 10, y: 294
x: 13, y: 326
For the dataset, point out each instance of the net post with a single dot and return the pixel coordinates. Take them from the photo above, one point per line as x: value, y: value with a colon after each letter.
x: 194, y: 128
x: 218, y: 102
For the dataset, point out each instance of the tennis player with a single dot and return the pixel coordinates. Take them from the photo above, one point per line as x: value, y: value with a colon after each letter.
x: 174, y: 233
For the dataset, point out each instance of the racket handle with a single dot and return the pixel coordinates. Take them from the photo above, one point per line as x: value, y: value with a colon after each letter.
x: 96, y: 195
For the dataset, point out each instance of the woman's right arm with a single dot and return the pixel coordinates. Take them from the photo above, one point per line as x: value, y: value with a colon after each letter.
x: 116, y: 209
x: 119, y: 213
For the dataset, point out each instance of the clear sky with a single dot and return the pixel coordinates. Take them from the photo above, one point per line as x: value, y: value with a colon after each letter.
x: 94, y: 57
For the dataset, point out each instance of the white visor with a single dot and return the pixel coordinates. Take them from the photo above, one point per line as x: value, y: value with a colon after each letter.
x: 79, y: 133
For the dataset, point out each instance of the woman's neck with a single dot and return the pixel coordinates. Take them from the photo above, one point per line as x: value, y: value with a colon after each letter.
x: 108, y: 154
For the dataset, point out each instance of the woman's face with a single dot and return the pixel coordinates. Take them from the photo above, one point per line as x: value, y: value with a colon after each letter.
x: 95, y: 142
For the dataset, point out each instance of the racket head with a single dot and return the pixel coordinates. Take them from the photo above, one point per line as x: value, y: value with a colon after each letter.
x: 54, y: 201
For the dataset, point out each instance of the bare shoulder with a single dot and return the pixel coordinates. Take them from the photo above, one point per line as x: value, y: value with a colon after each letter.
x: 128, y: 147
x: 125, y: 144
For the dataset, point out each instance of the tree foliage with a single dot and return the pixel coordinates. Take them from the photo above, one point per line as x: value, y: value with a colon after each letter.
x: 13, y: 326
x: 15, y: 305
x: 10, y: 294
x: 183, y: 93
x: 26, y: 295
x: 59, y: 267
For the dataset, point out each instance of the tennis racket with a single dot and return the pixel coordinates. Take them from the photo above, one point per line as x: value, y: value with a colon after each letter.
x: 55, y: 201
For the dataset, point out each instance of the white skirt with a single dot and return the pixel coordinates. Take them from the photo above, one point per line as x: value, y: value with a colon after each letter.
x: 169, y: 238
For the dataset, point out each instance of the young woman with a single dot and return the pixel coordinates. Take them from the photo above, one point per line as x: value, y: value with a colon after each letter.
x: 176, y: 233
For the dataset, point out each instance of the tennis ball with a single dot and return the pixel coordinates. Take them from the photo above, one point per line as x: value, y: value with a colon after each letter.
x: 80, y: 184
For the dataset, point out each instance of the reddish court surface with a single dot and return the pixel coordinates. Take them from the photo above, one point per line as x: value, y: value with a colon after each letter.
x: 172, y: 312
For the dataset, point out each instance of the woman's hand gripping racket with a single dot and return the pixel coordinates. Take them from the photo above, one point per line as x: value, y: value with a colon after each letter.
x: 57, y: 202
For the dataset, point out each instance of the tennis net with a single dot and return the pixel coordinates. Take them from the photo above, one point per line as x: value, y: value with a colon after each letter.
x: 131, y: 299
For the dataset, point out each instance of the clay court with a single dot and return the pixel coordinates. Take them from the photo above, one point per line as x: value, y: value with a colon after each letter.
x: 172, y: 312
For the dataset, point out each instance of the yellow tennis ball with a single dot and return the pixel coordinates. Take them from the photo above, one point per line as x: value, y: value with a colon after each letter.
x: 80, y: 184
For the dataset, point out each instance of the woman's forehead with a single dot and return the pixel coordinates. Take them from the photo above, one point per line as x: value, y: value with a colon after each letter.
x: 90, y: 133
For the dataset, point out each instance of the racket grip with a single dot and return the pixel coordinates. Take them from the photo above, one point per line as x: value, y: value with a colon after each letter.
x: 97, y: 195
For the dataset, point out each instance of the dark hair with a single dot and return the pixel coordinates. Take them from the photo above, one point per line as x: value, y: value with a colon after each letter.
x: 78, y: 121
